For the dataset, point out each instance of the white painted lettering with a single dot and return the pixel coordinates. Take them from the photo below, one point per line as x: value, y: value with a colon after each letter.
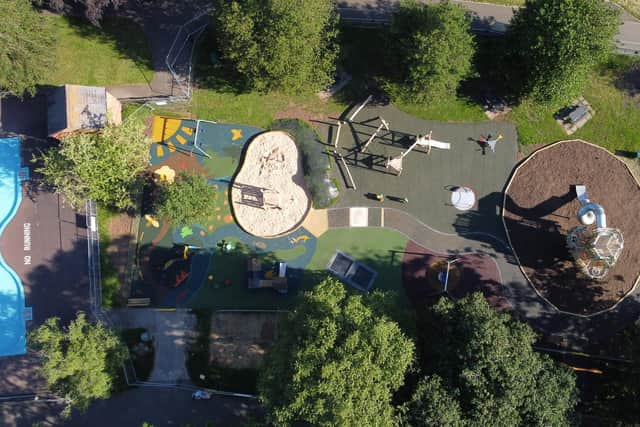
x: 27, y: 236
x: 27, y: 260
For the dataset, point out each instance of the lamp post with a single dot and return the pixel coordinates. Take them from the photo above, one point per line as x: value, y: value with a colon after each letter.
x: 446, y: 278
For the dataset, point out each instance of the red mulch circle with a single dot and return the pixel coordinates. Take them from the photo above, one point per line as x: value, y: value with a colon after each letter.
x: 475, y: 273
x: 541, y: 207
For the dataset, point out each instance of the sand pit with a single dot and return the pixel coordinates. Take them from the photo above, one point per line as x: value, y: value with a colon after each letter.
x: 268, y: 195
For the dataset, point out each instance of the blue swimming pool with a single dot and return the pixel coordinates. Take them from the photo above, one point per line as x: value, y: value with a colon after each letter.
x: 12, y: 324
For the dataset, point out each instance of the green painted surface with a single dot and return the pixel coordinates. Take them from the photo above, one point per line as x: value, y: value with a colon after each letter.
x: 375, y: 247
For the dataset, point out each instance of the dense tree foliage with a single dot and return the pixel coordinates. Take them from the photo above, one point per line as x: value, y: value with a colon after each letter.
x: 481, y: 370
x: 93, y: 9
x: 554, y: 44
x: 284, y: 45
x: 614, y: 396
x: 103, y: 166
x: 433, y: 47
x: 188, y: 200
x: 79, y: 361
x: 337, y: 361
x: 26, y: 47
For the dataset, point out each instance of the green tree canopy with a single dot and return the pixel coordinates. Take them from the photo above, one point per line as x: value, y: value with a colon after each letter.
x: 337, y: 361
x: 554, y: 44
x: 188, y: 200
x: 26, y: 47
x: 287, y: 45
x: 433, y: 47
x: 79, y: 362
x: 482, y: 371
x: 103, y: 166
x: 93, y: 9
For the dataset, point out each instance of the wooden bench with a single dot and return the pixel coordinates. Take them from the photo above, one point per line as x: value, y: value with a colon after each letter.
x: 138, y: 302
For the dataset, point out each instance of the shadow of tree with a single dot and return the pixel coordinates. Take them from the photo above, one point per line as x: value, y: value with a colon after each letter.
x: 542, y: 250
x: 122, y: 33
x: 59, y: 287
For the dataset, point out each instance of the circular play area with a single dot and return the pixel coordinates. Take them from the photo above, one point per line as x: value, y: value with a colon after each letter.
x: 569, y: 189
x: 426, y: 275
x: 268, y: 194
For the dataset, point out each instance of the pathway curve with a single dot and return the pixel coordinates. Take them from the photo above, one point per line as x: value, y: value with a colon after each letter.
x: 569, y: 330
x: 487, y: 18
x: 167, y: 26
x: 172, y: 332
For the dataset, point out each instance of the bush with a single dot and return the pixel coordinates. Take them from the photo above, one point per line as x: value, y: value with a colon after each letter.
x: 315, y: 161
x: 188, y: 200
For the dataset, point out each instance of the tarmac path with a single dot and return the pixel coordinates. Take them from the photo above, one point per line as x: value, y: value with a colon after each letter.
x: 171, y: 332
x: 568, y: 330
x: 487, y: 18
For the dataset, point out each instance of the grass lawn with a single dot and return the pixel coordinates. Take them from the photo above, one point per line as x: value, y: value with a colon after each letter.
x: 446, y: 110
x: 217, y: 98
x: 255, y: 108
x: 615, y: 126
x: 115, y: 54
x: 374, y: 247
x: 108, y: 272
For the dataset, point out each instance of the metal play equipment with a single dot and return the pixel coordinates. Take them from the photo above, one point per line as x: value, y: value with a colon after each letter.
x: 444, y: 276
x: 372, y: 137
x: 335, y: 143
x: 595, y: 249
x: 395, y: 163
x: 355, y: 113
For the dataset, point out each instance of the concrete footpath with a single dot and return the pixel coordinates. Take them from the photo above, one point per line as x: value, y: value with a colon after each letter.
x: 172, y: 333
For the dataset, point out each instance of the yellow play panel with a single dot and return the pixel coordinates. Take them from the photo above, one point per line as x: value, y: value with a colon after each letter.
x: 164, y: 128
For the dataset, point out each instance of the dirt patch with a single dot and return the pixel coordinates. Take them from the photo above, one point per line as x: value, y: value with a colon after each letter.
x: 182, y: 162
x: 240, y: 340
x: 119, y: 228
x: 298, y: 112
x: 423, y: 273
x: 541, y: 208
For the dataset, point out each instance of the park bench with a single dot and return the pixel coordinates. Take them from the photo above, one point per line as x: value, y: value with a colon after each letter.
x: 577, y: 114
x: 138, y: 302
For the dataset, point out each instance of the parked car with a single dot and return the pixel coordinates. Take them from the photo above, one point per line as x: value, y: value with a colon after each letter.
x: 201, y: 395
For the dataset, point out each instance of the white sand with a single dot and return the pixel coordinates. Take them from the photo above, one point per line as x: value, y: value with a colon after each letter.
x: 268, y: 194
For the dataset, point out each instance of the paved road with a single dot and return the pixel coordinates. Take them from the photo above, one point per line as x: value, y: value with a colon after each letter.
x: 171, y: 335
x: 158, y: 406
x: 488, y: 18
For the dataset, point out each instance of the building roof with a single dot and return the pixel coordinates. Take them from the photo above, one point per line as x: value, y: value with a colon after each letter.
x: 74, y: 107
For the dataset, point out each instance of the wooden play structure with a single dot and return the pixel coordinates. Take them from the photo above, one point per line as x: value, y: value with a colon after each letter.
x: 425, y: 141
x: 375, y: 134
x: 258, y: 280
